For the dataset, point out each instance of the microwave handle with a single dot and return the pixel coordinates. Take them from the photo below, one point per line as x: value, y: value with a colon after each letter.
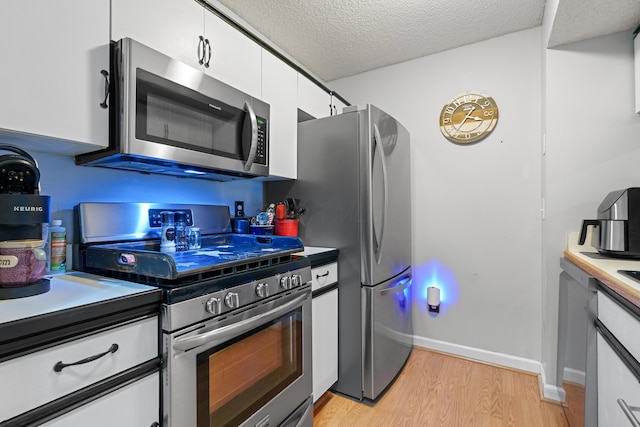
x: 254, y: 137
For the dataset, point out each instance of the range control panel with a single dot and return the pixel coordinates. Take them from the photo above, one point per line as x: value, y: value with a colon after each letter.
x: 155, y: 217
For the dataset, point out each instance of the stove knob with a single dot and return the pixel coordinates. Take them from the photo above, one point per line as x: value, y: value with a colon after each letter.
x: 262, y: 290
x: 231, y: 300
x: 214, y: 306
x: 285, y: 282
x: 296, y: 280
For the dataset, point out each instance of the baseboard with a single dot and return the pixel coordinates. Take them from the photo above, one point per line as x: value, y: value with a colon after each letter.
x: 573, y: 376
x: 549, y: 391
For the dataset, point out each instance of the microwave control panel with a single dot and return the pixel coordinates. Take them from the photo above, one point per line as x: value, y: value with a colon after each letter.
x: 261, y: 151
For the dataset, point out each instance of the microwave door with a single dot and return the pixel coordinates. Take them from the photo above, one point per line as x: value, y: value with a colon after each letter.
x: 249, y: 137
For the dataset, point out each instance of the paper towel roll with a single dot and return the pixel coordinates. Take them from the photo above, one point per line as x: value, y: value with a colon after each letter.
x: 433, y: 296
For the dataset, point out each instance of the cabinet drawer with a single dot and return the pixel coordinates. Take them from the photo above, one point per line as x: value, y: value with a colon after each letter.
x: 615, y: 381
x: 135, y: 405
x: 623, y: 325
x: 324, y: 275
x: 30, y: 381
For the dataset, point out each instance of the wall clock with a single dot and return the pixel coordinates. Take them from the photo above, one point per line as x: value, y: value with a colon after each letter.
x: 468, y: 118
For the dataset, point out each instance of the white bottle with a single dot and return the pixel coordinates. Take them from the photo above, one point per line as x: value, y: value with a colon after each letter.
x: 57, y: 247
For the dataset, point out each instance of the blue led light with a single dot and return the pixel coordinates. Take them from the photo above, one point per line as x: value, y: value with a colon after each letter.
x: 433, y: 273
x: 193, y: 172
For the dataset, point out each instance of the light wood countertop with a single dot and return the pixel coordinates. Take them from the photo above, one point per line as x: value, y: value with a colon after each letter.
x: 604, y: 269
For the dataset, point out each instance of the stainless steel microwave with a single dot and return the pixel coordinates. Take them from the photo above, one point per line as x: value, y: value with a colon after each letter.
x: 170, y: 118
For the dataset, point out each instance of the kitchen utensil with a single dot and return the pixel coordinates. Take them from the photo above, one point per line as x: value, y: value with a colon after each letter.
x: 263, y: 230
x: 240, y: 225
x: 286, y: 227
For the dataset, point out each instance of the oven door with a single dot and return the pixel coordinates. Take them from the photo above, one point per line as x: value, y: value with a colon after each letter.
x: 250, y: 368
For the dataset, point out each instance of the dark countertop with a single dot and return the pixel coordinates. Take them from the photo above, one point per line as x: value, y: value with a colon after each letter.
x: 76, y: 304
x: 320, y: 256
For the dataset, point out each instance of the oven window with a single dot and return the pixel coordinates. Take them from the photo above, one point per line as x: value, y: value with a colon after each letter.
x: 237, y: 378
x: 171, y: 114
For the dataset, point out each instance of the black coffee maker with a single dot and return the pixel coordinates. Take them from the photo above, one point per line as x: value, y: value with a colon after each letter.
x: 23, y: 211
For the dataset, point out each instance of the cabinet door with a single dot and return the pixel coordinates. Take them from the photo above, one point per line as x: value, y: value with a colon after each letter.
x: 324, y: 326
x: 135, y: 405
x: 312, y: 99
x: 172, y: 27
x: 51, y: 82
x: 235, y: 58
x: 338, y: 106
x: 615, y: 381
x: 279, y: 90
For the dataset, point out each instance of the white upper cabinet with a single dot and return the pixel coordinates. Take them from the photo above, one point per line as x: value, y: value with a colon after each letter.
x: 51, y: 81
x: 235, y: 58
x: 279, y: 90
x: 186, y: 31
x: 172, y: 27
x: 337, y: 105
x: 312, y: 99
x: 636, y: 63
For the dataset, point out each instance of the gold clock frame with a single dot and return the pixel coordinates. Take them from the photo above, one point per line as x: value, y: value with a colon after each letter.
x: 469, y: 117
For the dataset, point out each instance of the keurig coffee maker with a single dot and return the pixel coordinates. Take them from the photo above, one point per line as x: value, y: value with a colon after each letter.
x: 23, y: 211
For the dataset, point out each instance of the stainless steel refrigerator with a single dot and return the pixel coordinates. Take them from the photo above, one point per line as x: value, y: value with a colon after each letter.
x: 354, y: 183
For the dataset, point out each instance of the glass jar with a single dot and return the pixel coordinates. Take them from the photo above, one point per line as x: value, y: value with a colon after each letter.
x: 168, y: 238
x: 195, y: 239
x: 181, y: 231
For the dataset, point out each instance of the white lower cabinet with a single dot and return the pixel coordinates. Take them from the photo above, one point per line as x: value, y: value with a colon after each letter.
x: 325, y: 342
x: 324, y: 328
x: 615, y: 381
x: 618, y: 367
x: 52, y: 373
x: 134, y: 405
x: 56, y: 372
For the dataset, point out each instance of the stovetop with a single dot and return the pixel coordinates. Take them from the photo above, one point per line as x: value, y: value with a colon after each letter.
x: 220, y: 255
x: 122, y: 240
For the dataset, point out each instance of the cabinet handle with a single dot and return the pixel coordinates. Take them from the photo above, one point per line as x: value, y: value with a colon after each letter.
x: 322, y: 275
x: 58, y: 367
x: 628, y: 411
x: 104, y: 104
x: 335, y: 110
x: 155, y: 424
x: 201, y: 50
x: 208, y: 49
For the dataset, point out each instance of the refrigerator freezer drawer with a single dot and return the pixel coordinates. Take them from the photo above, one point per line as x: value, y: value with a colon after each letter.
x: 388, y: 332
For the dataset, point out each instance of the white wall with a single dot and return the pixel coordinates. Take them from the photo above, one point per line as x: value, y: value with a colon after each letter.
x: 476, y: 209
x: 68, y: 184
x: 593, y: 147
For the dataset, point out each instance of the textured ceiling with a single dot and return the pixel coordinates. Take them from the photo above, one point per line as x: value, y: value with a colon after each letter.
x: 339, y: 38
x: 578, y: 20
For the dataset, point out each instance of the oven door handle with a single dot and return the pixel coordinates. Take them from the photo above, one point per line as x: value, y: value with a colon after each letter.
x: 218, y: 336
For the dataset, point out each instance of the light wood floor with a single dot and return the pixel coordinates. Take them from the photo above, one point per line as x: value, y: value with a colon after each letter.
x: 436, y: 389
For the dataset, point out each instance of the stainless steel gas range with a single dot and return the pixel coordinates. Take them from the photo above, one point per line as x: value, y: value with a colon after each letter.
x: 236, y: 316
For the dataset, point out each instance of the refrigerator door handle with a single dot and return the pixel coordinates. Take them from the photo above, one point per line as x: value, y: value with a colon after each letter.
x: 378, y: 145
x: 401, y: 285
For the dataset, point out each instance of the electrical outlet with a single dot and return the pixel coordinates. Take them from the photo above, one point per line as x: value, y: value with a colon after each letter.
x: 239, y: 208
